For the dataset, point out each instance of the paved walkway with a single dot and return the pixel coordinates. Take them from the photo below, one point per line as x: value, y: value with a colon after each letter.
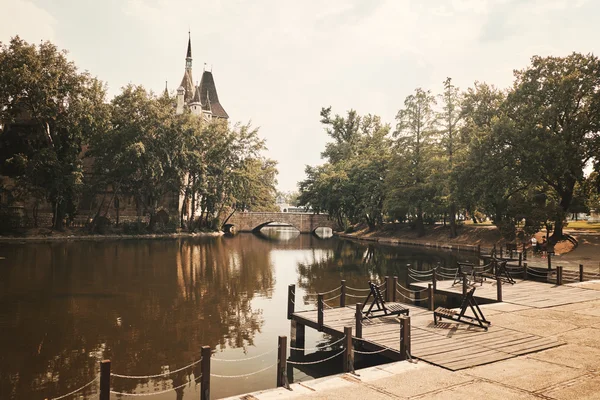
x: 570, y: 371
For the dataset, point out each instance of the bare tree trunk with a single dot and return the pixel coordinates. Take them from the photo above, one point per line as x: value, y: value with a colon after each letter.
x: 453, y: 232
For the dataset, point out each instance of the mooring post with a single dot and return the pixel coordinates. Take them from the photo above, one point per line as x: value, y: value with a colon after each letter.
x: 348, y: 350
x: 386, y: 296
x: 524, y: 252
x: 394, y: 286
x: 549, y: 256
x: 343, y: 293
x: 559, y: 275
x: 500, y: 251
x: 499, y: 288
x: 105, y: 380
x: 434, y: 279
x: 358, y: 318
x: 520, y: 259
x: 525, y: 271
x: 291, y: 300
x: 404, y: 337
x: 297, y: 338
x: 205, y: 378
x: 580, y: 272
x: 281, y: 360
x: 464, y: 284
x: 320, y: 311
x: 431, y: 297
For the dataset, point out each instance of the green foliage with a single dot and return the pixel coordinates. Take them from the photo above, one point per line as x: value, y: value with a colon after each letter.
x: 138, y: 227
x: 49, y: 110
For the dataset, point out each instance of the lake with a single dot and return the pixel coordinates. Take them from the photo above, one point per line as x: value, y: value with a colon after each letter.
x: 150, y: 305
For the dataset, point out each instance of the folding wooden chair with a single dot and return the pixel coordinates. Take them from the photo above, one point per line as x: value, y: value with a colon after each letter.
x: 382, y: 308
x: 468, y: 300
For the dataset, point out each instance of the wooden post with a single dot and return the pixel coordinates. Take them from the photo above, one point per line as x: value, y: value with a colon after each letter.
x: 343, y: 294
x: 478, y: 250
x: 394, y: 286
x: 525, y: 271
x: 358, y: 318
x: 431, y: 297
x: 549, y: 256
x: 500, y: 251
x: 464, y: 284
x: 524, y: 252
x: 348, y: 350
x: 520, y: 259
x: 281, y: 360
x: 105, y: 380
x: 494, y: 251
x: 320, y: 311
x: 291, y: 300
x: 297, y: 338
x: 404, y: 337
x: 434, y: 279
x: 559, y: 275
x: 580, y: 272
x: 205, y: 379
x: 386, y: 296
x: 499, y: 288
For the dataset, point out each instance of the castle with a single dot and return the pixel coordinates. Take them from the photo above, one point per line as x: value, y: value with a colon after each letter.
x: 201, y: 100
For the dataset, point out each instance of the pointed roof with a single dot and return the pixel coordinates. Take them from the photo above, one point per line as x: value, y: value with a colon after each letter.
x: 189, y: 49
x: 196, y: 98
x: 209, y: 97
x: 188, y: 84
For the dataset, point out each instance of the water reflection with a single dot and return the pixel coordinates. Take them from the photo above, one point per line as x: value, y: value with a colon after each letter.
x: 149, y: 306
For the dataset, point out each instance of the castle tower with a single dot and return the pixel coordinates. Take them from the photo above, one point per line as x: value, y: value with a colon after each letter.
x: 188, y: 82
x: 180, y: 100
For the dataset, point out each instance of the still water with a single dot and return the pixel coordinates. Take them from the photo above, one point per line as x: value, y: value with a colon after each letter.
x: 149, y: 306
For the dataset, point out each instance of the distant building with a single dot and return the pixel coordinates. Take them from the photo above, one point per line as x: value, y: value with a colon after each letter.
x: 203, y: 99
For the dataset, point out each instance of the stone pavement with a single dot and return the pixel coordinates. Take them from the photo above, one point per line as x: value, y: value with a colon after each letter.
x: 570, y: 371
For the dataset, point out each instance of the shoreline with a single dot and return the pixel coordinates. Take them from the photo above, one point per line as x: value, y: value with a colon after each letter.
x: 425, y: 243
x: 64, y: 238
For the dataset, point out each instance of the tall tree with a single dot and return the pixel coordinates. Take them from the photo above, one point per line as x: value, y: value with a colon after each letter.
x: 51, y: 109
x: 555, y: 108
x: 409, y: 184
x: 449, y: 119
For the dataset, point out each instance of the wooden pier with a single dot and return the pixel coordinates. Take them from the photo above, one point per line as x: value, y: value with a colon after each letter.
x: 447, y: 344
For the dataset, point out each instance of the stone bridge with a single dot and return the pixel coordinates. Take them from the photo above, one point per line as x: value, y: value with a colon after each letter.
x: 254, y: 221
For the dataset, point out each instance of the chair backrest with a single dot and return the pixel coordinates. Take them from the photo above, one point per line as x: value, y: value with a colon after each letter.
x: 466, y: 299
x: 376, y: 292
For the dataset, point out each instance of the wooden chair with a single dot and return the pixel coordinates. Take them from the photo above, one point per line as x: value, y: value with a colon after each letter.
x: 470, y: 271
x: 382, y: 308
x: 459, y: 316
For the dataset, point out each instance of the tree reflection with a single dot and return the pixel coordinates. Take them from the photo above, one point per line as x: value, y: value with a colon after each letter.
x: 145, y: 305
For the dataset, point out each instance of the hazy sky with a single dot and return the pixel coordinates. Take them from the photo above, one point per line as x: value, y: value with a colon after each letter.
x: 277, y: 62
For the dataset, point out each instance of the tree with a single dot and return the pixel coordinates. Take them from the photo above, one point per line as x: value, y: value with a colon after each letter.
x: 555, y: 108
x: 49, y: 110
x: 449, y: 119
x: 409, y: 185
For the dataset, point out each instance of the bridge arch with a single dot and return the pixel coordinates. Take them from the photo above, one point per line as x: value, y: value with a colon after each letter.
x: 304, y: 222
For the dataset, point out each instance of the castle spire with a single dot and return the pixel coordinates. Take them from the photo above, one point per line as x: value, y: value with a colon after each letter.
x: 188, y: 57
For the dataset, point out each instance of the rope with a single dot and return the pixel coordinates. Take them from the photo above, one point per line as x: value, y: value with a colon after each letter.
x: 406, y: 297
x: 448, y: 269
x: 315, y: 362
x: 319, y: 348
x: 370, y: 352
x: 156, y: 375
x: 358, y: 290
x: 332, y: 290
x: 417, y: 279
x: 416, y: 272
x: 412, y: 291
x: 332, y: 298
x: 356, y: 297
x: 155, y: 393
x: 243, y: 359
x: 77, y: 390
x: 243, y: 375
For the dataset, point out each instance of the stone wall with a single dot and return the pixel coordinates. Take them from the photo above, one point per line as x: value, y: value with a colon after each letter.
x: 304, y: 222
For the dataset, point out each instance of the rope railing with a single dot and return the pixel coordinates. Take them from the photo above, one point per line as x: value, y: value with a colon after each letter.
x: 243, y: 359
x: 370, y: 352
x: 331, y: 291
x: 332, y: 298
x: 319, y: 348
x: 76, y: 390
x: 356, y: 297
x: 418, y: 279
x: 316, y: 362
x: 166, y: 373
x: 417, y: 272
x: 243, y: 375
x: 195, y: 380
x: 358, y: 290
x: 412, y: 291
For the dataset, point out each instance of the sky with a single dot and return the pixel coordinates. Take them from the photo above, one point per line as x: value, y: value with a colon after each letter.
x: 276, y: 63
